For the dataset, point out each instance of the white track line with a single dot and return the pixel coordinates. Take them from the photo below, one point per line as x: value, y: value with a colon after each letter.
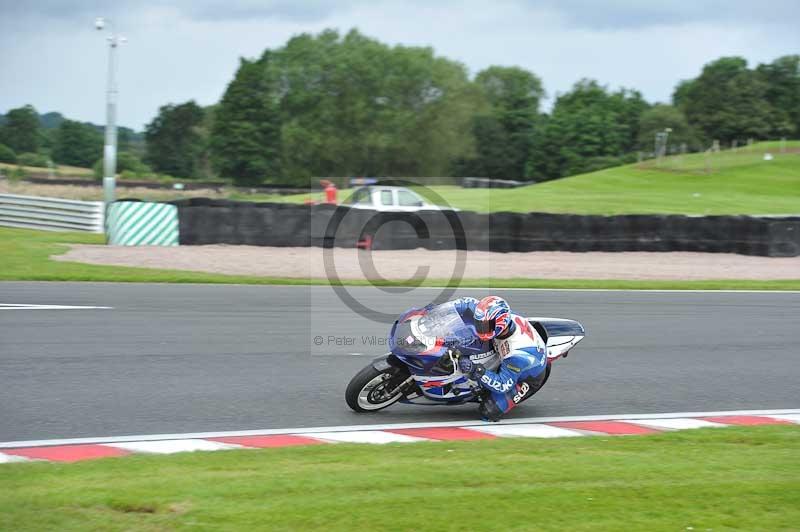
x: 625, y: 290
x: 527, y: 431
x: 14, y: 306
x: 678, y: 423
x: 310, y: 431
x: 174, y: 446
x: 794, y: 418
x: 8, y: 458
x: 365, y: 436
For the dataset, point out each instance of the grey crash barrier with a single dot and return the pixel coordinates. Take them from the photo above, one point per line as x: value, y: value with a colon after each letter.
x: 51, y: 214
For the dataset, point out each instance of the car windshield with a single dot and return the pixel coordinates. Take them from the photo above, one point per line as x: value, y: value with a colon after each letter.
x: 419, y: 331
x: 406, y: 198
x: 360, y: 195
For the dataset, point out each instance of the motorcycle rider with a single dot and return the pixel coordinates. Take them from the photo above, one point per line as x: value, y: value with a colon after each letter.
x: 523, y: 360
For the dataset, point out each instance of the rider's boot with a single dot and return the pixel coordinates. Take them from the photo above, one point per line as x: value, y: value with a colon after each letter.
x: 489, y: 410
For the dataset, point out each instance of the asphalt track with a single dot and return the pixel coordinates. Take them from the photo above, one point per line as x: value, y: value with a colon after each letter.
x: 192, y: 358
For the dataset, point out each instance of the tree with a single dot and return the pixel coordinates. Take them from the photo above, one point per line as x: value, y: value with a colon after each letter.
x: 782, y: 78
x: 504, y: 135
x: 727, y: 101
x: 681, y: 92
x: 660, y: 117
x: 20, y: 131
x: 351, y: 105
x: 51, y: 120
x: 33, y: 159
x: 332, y: 105
x: 245, y: 136
x: 589, y: 128
x: 174, y: 140
x: 127, y: 163
x: 77, y: 144
x: 130, y: 141
x: 7, y: 155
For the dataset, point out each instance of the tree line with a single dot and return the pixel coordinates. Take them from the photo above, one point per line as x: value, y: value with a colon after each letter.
x: 33, y: 139
x: 348, y: 105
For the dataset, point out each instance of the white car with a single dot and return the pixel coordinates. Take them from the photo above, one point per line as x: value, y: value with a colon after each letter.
x: 385, y: 198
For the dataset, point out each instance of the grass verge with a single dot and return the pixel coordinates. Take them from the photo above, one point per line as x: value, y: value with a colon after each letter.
x: 737, y: 181
x: 25, y: 256
x: 732, y: 478
x: 730, y: 182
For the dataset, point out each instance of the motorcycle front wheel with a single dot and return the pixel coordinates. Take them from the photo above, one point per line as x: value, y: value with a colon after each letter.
x: 372, y: 390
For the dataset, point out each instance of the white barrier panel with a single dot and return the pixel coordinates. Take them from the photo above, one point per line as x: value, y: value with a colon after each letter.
x: 139, y: 223
x: 51, y: 214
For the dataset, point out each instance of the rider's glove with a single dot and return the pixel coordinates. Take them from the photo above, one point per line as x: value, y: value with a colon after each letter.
x: 470, y: 368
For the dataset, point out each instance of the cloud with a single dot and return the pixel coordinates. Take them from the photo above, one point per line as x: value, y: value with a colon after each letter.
x: 188, y: 49
x: 211, y: 10
x: 604, y: 15
x: 308, y: 11
x: 613, y: 15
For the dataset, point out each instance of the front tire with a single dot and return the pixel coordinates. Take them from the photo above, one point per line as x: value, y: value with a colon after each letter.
x: 367, y: 391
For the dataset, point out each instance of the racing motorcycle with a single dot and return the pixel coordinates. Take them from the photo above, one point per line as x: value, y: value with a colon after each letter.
x: 422, y: 367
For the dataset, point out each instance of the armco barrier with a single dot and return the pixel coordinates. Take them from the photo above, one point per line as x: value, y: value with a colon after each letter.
x: 137, y: 223
x: 52, y: 214
x: 204, y: 221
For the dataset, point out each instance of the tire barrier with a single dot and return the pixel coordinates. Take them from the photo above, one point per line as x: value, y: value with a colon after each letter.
x: 138, y: 223
x: 205, y: 221
x: 485, y: 182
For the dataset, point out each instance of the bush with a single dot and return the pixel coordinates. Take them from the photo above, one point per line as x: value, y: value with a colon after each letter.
x: 33, y: 159
x: 7, y: 155
x: 17, y: 174
x: 128, y: 175
x: 128, y: 166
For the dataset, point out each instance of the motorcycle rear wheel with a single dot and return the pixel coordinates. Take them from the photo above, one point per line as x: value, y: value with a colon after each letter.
x: 367, y: 390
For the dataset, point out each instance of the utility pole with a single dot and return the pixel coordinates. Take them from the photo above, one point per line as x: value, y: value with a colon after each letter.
x: 110, y: 147
x: 661, y: 144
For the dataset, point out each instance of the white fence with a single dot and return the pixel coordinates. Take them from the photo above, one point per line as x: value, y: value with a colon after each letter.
x: 51, y: 214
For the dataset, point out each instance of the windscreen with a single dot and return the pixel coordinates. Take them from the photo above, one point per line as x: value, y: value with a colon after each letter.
x: 442, y: 321
x: 419, y: 332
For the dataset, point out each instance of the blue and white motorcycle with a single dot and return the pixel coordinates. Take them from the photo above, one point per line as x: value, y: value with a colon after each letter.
x: 422, y: 367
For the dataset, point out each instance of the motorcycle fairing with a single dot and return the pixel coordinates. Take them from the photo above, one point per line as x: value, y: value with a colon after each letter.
x: 559, y: 334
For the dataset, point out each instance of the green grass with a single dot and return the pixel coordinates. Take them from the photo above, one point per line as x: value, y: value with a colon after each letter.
x: 60, y: 169
x: 728, y: 182
x: 720, y: 479
x: 25, y: 256
x: 739, y: 182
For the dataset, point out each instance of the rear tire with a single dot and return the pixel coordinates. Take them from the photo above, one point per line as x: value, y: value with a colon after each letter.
x: 365, y: 391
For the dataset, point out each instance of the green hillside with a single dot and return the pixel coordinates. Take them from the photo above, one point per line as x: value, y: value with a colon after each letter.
x: 729, y: 182
x: 733, y: 183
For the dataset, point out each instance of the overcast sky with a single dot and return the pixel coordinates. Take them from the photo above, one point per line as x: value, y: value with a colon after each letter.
x: 52, y: 57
